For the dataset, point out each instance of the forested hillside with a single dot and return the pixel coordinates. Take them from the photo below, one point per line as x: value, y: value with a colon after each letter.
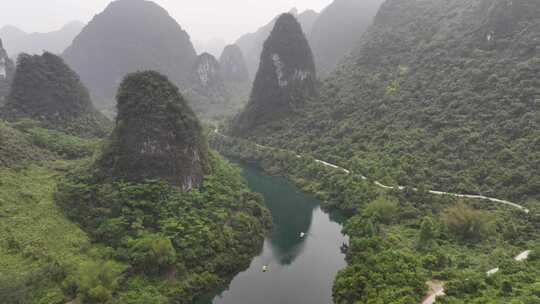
x: 285, y: 80
x: 46, y: 90
x: 443, y: 94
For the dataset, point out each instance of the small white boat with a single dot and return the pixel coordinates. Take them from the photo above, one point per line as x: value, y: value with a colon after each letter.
x: 264, y: 268
x: 302, y: 235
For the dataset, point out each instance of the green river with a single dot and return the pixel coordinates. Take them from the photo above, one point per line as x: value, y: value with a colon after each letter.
x: 299, y: 269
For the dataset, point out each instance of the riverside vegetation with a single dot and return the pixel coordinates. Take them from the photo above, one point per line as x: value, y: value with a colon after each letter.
x: 119, y: 239
x: 437, y: 95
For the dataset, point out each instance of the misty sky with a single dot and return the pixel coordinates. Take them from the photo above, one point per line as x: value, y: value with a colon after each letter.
x: 203, y: 19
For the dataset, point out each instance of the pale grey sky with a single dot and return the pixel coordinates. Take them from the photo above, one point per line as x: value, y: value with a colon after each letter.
x: 203, y: 19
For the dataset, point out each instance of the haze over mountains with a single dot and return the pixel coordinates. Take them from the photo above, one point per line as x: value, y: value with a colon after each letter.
x: 18, y: 41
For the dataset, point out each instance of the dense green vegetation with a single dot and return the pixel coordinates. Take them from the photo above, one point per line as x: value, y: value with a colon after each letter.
x: 440, y: 94
x: 156, y: 135
x: 402, y: 239
x: 177, y: 244
x: 285, y: 79
x: 46, y: 90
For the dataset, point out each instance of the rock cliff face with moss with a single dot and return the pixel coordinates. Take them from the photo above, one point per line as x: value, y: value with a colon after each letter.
x: 252, y: 43
x: 130, y: 36
x: 157, y: 135
x: 286, y: 79
x: 7, y: 70
x: 45, y: 89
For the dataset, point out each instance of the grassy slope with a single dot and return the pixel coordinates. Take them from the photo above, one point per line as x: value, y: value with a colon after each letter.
x: 37, y: 241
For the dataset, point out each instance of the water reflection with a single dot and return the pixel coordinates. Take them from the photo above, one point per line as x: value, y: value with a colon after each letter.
x: 300, y: 269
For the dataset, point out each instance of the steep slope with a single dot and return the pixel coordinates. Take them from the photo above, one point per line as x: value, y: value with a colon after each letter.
x: 129, y: 35
x: 209, y: 94
x: 56, y: 42
x: 285, y: 79
x: 7, y: 69
x: 233, y: 65
x: 157, y: 135
x: 337, y: 30
x: 45, y: 89
x: 443, y: 94
x: 252, y: 43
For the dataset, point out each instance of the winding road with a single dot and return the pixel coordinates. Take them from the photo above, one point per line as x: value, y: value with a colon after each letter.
x: 401, y: 188
x: 436, y: 288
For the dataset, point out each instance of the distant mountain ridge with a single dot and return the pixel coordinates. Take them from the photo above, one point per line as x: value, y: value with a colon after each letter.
x: 130, y: 35
x: 18, y: 41
x: 46, y: 90
x: 338, y: 29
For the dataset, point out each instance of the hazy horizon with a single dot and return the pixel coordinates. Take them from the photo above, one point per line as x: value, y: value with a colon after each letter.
x: 204, y: 20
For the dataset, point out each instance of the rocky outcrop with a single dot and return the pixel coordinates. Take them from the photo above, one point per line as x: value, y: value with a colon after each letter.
x: 45, y: 89
x: 6, y: 74
x: 157, y: 135
x: 252, y: 44
x: 285, y: 80
x: 130, y: 36
x: 233, y: 65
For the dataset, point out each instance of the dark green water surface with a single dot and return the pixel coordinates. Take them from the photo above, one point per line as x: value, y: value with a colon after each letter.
x: 300, y: 270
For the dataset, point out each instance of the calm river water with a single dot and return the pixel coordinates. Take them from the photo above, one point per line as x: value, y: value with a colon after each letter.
x: 300, y: 269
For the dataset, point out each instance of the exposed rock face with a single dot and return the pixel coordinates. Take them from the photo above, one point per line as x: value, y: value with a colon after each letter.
x: 338, y: 29
x: 47, y: 90
x: 157, y: 135
x: 207, y: 85
x: 442, y: 90
x: 285, y: 79
x: 130, y: 36
x: 6, y: 74
x: 233, y: 65
x: 252, y: 44
x: 56, y: 42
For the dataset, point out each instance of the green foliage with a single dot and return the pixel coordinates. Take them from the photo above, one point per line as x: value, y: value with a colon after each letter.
x: 395, y: 224
x: 152, y: 253
x: 382, y: 210
x: 156, y: 136
x: 17, y: 150
x: 467, y: 223
x: 285, y: 80
x: 47, y: 90
x: 160, y: 230
x: 422, y: 102
x: 427, y: 232
x: 97, y: 282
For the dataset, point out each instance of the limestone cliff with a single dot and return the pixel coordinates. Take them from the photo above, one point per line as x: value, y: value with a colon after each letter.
x: 286, y: 78
x: 157, y: 135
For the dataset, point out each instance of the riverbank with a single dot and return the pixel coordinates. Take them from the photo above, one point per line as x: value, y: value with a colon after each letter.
x: 300, y: 257
x: 397, y: 239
